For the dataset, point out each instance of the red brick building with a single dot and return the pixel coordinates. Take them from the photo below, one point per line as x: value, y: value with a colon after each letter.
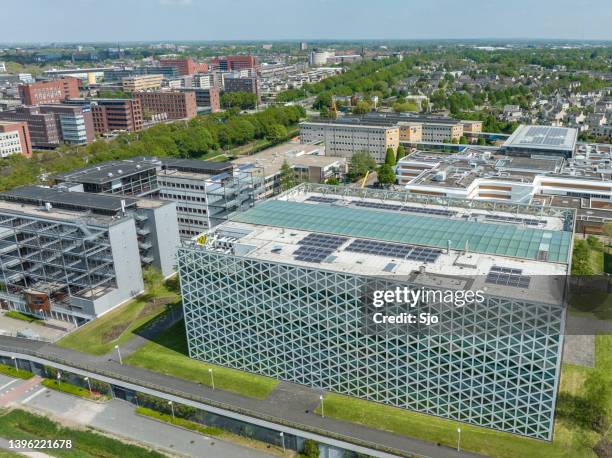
x: 44, y: 92
x: 184, y: 66
x: 173, y: 105
x: 230, y: 63
x: 15, y: 139
x: 117, y: 114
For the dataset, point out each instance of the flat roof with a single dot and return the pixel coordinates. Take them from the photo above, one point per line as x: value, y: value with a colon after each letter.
x: 38, y: 195
x: 107, y: 171
x: 195, y: 165
x: 545, y: 138
x: 509, y: 240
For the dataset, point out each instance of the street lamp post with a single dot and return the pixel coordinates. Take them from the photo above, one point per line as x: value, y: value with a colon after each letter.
x: 171, y: 407
x: 89, y: 385
x: 458, y: 439
x: 59, y: 378
x: 322, y: 406
x: 119, y: 353
x: 212, y: 378
x: 15, y: 362
x: 282, y: 435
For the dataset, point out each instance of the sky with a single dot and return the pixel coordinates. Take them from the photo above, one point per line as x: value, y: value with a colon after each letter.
x: 166, y: 20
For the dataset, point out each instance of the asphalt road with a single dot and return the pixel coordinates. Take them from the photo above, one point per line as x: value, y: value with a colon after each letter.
x: 118, y: 418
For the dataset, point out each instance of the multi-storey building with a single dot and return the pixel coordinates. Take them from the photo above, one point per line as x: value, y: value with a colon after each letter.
x: 73, y: 256
x: 42, y: 126
x: 542, y: 140
x: 231, y: 63
x: 74, y: 123
x: 344, y: 139
x: 240, y: 84
x: 113, y: 114
x: 141, y: 82
x: 53, y: 91
x: 285, y: 290
x: 206, y: 98
x: 206, y: 193
x: 170, y: 104
x: 15, y: 139
x: 184, y: 66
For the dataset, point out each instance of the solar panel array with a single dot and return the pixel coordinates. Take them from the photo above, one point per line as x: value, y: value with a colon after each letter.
x: 506, y: 276
x: 392, y: 250
x: 401, y: 208
x: 515, y: 220
x: 324, y: 200
x: 317, y: 247
x: 544, y: 135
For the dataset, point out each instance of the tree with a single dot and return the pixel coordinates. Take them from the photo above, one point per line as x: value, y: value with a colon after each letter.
x: 361, y: 163
x: 608, y: 231
x: 401, y: 152
x: 594, y: 243
x: 311, y: 449
x: 332, y: 181
x: 400, y: 107
x: 386, y: 175
x: 482, y: 141
x: 362, y: 107
x: 581, y: 258
x: 287, y: 176
x: 152, y: 277
x: 463, y: 140
x: 323, y: 100
x: 242, y: 100
x: 276, y: 133
x: 390, y: 157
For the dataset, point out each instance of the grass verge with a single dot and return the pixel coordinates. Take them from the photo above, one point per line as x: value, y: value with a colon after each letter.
x: 168, y: 355
x: 75, y: 390
x: 16, y: 373
x: 19, y: 424
x: 211, y: 431
x: 23, y: 317
x: 570, y: 439
x: 119, y: 326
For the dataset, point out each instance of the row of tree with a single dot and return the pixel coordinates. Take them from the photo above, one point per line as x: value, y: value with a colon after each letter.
x: 242, y: 100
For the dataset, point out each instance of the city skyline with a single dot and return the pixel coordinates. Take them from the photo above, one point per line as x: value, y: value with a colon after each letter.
x: 187, y: 20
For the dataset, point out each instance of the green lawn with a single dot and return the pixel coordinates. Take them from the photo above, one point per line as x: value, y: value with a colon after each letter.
x: 17, y: 373
x: 570, y: 440
x: 22, y: 316
x: 19, y: 424
x: 117, y: 327
x: 168, y: 355
x: 69, y: 388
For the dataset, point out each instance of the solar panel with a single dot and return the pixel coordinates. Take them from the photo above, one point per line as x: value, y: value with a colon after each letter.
x: 376, y: 248
x: 402, y: 208
x: 324, y: 200
x: 515, y: 220
x: 507, y: 276
x: 317, y: 247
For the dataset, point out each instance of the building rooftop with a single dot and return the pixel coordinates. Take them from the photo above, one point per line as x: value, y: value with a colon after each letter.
x: 545, y: 138
x: 39, y: 195
x: 107, y: 171
x: 195, y: 165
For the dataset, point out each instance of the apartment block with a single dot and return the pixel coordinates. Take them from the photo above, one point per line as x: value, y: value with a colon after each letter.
x: 42, y: 126
x: 170, y: 104
x: 15, y: 139
x: 240, y: 84
x: 344, y: 139
x: 230, y: 63
x: 141, y: 83
x: 53, y: 91
x: 304, y: 265
x: 69, y: 255
x: 74, y: 123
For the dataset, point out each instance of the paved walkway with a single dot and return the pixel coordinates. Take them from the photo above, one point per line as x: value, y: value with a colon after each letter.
x: 288, y: 403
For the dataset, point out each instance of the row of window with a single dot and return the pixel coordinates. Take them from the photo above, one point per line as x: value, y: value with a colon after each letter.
x: 171, y: 184
x: 166, y: 195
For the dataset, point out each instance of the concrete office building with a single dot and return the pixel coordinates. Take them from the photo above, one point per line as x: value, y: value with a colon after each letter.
x: 42, y: 126
x: 344, y: 139
x: 74, y: 256
x: 278, y: 291
x: 232, y: 83
x: 113, y: 114
x: 206, y: 193
x: 542, y: 140
x: 173, y: 105
x: 14, y: 139
x: 74, y: 123
x: 53, y: 91
x: 141, y: 83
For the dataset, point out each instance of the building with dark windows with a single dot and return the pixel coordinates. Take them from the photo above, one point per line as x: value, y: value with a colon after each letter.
x: 232, y: 63
x: 44, y: 132
x: 206, y: 98
x: 74, y: 123
x: 240, y: 84
x: 169, y: 104
x: 15, y: 139
x: 53, y: 91
x: 113, y: 114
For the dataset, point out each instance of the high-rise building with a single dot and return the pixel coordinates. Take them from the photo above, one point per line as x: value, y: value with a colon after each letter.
x: 53, y: 91
x: 206, y: 98
x: 285, y: 290
x: 74, y: 123
x: 241, y: 84
x: 303, y: 46
x: 42, y: 126
x: 233, y: 63
x: 15, y: 139
x: 170, y: 104
x: 113, y: 114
